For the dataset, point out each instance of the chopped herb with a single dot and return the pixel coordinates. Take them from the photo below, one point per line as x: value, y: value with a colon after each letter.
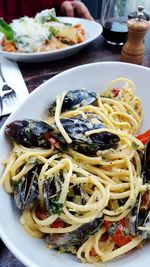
x: 112, y: 229
x: 129, y: 111
x: 56, y: 207
x: 66, y: 170
x: 64, y: 40
x: 106, y: 96
x: 38, y: 161
x: 125, y: 231
x: 135, y: 146
x: 52, y: 18
x: 53, y: 30
x: 67, y: 24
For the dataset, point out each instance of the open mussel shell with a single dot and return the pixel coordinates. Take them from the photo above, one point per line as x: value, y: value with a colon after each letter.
x: 75, y: 99
x: 76, y: 237
x: 146, y: 164
x: 29, y: 132
x: 51, y: 192
x: 145, y: 234
x: 76, y: 129
x: 140, y: 217
x: 26, y: 190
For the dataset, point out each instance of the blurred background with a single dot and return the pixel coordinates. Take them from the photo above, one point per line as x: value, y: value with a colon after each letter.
x: 95, y: 6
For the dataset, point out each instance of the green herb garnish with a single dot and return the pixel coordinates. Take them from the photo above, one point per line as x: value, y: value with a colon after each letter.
x: 67, y: 24
x: 55, y: 206
x: 53, y: 30
x: 135, y: 146
x: 7, y: 30
x: 52, y: 18
x: 112, y: 229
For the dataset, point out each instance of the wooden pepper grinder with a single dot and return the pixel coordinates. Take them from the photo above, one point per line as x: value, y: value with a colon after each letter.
x: 133, y: 49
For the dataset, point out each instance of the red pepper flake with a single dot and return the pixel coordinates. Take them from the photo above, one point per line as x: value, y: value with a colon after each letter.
x: 92, y: 252
x: 115, y: 92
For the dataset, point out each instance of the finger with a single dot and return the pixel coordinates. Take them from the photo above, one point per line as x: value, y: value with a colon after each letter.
x: 81, y: 10
x: 67, y: 9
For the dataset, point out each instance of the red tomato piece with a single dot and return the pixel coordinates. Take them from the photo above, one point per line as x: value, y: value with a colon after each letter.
x: 115, y: 92
x: 119, y: 238
x: 145, y: 137
x: 118, y: 232
x: 57, y: 224
x: 41, y: 215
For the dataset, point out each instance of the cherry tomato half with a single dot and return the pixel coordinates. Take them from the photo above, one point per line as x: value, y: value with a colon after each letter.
x: 145, y: 137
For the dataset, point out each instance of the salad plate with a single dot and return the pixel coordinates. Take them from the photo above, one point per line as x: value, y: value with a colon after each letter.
x: 92, y: 31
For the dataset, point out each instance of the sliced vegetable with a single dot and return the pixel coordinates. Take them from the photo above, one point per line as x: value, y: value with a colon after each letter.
x: 118, y: 232
x: 145, y: 137
x: 69, y: 34
x: 7, y: 30
x: 57, y: 224
x: 41, y: 215
x: 54, y: 19
x: 53, y: 30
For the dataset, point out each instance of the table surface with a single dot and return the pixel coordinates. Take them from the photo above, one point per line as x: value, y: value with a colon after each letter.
x: 35, y: 74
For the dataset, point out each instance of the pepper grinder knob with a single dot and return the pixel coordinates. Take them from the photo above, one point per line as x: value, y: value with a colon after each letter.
x: 133, y: 49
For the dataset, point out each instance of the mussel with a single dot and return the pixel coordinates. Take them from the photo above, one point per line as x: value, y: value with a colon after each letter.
x: 29, y: 132
x: 76, y: 194
x: 76, y: 128
x: 77, y: 237
x: 51, y: 192
x: 38, y: 133
x: 26, y: 190
x: 75, y: 99
x: 140, y: 214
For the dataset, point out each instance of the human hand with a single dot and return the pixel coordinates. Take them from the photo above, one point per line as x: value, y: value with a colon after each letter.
x: 75, y: 9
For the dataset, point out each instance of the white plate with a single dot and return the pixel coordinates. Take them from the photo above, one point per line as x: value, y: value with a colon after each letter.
x: 96, y: 76
x: 92, y: 31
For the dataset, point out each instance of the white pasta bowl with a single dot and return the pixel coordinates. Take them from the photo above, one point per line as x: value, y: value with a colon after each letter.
x: 33, y: 252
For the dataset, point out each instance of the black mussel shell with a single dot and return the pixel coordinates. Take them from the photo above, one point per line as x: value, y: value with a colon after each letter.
x: 29, y: 132
x: 75, y: 99
x: 26, y: 190
x: 76, y: 129
x: 77, y: 237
